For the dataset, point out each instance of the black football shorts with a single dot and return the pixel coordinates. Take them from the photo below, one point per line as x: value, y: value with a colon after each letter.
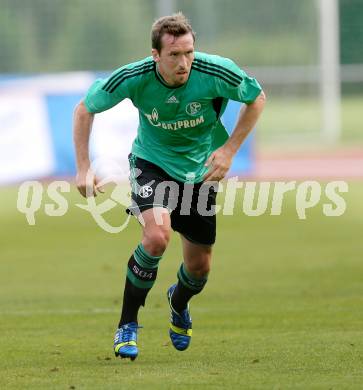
x: 191, y: 206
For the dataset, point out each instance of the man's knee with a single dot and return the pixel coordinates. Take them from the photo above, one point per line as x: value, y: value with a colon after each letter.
x: 156, y: 239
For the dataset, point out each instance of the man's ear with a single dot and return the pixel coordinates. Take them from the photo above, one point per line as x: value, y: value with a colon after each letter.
x: 155, y: 55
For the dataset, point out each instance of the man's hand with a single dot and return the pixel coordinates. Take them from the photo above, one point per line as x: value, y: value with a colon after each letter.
x: 221, y: 159
x: 219, y: 163
x: 87, y: 183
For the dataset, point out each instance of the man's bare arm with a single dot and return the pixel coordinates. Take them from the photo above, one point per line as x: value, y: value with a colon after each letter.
x: 82, y: 127
x: 221, y: 159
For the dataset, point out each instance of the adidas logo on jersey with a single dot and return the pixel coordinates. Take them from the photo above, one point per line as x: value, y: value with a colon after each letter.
x: 172, y: 99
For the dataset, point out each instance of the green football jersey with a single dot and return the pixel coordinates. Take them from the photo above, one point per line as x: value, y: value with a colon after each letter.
x: 179, y: 127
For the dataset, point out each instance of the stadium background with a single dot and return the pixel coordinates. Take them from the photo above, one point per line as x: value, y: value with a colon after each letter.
x: 290, y: 314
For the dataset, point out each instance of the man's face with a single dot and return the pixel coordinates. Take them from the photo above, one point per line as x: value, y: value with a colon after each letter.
x: 175, y: 58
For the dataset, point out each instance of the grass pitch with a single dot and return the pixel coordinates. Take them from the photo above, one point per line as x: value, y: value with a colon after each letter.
x: 282, y: 308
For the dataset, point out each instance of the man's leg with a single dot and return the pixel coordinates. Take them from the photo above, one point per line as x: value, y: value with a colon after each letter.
x: 141, y: 275
x: 143, y: 264
x: 192, y: 274
x: 192, y: 277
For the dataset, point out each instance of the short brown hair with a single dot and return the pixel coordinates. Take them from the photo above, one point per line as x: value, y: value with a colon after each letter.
x: 176, y: 24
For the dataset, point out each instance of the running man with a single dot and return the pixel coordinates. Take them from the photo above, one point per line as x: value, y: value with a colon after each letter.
x: 182, y: 148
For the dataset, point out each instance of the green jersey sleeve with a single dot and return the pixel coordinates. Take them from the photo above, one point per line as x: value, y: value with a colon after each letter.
x: 121, y: 84
x: 99, y: 98
x: 235, y: 84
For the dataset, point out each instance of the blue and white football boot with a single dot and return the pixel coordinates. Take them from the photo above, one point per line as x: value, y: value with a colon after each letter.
x: 180, y: 331
x: 125, y: 342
